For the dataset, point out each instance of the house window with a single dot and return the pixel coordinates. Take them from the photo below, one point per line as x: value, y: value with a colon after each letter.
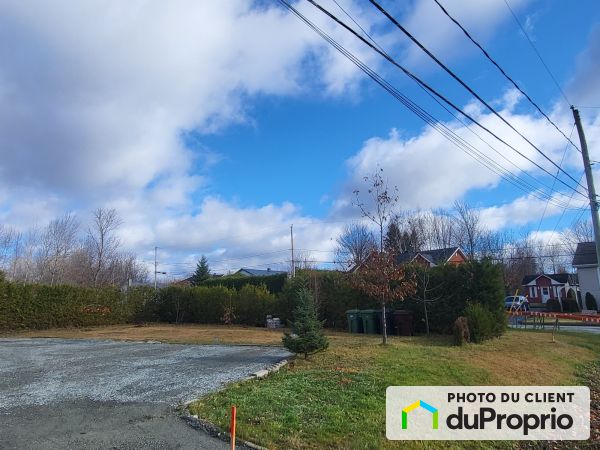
x: 531, y: 291
x: 545, y: 291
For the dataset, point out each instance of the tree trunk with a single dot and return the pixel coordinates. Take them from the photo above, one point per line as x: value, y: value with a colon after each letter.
x: 426, y: 318
x: 383, y: 323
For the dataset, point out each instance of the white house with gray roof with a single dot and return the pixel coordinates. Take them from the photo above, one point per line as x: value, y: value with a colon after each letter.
x: 586, y: 263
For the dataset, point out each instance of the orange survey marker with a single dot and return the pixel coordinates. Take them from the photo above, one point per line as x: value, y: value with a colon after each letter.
x: 232, y: 426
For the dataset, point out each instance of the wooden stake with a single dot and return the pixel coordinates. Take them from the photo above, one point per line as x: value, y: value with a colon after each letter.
x: 232, y: 426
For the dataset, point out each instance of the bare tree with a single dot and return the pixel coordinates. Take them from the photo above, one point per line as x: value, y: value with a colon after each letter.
x: 580, y: 231
x: 521, y: 260
x: 58, y: 240
x: 354, y: 245
x: 102, y: 243
x: 7, y: 242
x: 470, y: 228
x: 441, y: 229
x: 383, y: 202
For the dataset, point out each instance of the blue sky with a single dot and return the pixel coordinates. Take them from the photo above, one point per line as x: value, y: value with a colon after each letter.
x: 212, y: 126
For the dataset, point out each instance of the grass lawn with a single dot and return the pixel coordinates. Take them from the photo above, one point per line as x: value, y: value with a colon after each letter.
x: 337, y: 398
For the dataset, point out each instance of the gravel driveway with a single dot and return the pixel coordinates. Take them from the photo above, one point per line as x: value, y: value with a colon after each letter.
x: 57, y: 393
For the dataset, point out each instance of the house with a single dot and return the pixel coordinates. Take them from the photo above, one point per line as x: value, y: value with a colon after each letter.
x: 258, y: 272
x: 544, y: 287
x: 586, y: 263
x: 432, y: 258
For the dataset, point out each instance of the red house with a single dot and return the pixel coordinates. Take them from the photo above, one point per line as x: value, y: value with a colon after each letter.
x: 541, y: 288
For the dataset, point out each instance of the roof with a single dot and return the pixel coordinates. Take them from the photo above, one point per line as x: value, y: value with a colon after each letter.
x: 561, y: 278
x: 437, y: 256
x: 585, y: 254
x: 259, y: 272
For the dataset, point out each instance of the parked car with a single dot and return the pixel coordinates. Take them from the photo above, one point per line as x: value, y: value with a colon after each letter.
x: 516, y: 302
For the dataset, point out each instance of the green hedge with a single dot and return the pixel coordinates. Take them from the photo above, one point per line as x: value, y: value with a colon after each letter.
x: 202, y: 304
x: 273, y: 283
x: 40, y: 306
x: 452, y: 289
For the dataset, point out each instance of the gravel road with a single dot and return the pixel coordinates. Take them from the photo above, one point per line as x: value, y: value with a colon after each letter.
x: 57, y: 393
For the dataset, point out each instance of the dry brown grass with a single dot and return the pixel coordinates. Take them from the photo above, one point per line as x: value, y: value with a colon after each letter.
x: 181, y: 334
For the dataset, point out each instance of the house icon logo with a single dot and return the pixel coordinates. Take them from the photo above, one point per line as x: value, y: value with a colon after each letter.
x: 426, y: 406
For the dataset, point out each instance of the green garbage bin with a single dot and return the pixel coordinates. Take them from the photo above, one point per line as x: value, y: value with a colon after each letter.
x: 371, y: 320
x: 355, y: 324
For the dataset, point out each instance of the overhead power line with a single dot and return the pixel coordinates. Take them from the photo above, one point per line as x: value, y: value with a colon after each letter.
x: 465, y: 85
x: 503, y: 72
x: 537, y: 52
x: 554, y: 181
x: 403, y: 99
x: 427, y: 118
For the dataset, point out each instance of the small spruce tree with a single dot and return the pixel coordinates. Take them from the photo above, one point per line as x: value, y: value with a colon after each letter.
x: 307, y: 331
x: 202, y: 272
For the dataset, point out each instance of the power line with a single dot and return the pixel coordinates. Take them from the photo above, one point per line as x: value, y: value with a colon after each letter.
x: 513, y: 82
x: 466, y: 125
x: 568, y: 202
x: 554, y: 181
x: 465, y: 85
x: 399, y: 96
x: 537, y: 52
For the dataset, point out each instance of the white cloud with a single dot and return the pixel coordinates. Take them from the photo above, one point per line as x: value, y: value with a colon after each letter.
x: 428, y: 24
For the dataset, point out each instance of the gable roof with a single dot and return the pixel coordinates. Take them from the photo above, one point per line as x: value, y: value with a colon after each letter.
x: 561, y: 278
x: 259, y: 272
x: 436, y: 256
x: 585, y: 254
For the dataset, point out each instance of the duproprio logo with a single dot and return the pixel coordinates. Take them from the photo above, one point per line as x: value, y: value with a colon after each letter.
x: 426, y: 406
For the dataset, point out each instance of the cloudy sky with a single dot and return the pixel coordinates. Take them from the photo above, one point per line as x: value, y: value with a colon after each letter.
x: 213, y: 126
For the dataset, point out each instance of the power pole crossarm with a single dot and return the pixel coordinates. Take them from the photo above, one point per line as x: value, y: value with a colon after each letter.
x: 590, y: 182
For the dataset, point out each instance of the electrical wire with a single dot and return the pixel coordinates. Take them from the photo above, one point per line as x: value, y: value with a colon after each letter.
x: 466, y: 125
x: 554, y: 181
x: 403, y: 99
x: 537, y: 52
x: 465, y: 85
x: 503, y: 72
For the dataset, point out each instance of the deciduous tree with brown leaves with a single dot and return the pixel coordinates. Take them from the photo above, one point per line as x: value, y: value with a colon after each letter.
x: 381, y: 278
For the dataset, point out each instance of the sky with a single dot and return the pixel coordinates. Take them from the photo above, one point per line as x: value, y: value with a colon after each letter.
x: 213, y: 126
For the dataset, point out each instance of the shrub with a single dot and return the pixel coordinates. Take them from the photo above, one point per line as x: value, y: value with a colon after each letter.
x: 570, y: 305
x: 461, y: 331
x: 590, y: 302
x: 553, y: 305
x: 307, y: 336
x: 481, y: 323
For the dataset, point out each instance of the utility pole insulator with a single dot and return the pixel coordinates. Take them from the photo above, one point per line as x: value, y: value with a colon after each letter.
x: 594, y: 204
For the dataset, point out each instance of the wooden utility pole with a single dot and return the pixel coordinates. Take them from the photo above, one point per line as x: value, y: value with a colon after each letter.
x: 155, y: 266
x: 293, y: 272
x: 590, y: 182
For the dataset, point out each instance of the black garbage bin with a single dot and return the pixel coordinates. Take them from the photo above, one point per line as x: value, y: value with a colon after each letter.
x: 403, y: 322
x: 355, y: 323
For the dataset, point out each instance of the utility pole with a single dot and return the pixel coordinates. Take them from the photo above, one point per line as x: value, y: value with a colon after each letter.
x: 590, y: 183
x: 155, y: 266
x: 293, y: 262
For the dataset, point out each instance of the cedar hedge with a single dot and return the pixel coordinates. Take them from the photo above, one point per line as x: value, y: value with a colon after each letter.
x: 273, y: 283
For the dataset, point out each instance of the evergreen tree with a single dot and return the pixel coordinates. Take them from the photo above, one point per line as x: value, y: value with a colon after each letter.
x: 202, y: 272
x: 307, y: 336
x: 392, y: 242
